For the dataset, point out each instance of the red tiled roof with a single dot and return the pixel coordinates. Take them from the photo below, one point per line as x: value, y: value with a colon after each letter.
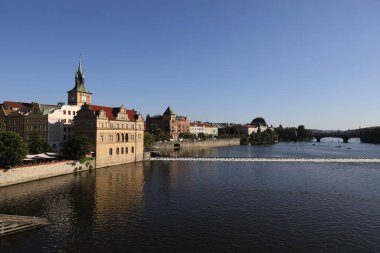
x: 111, y: 112
x: 12, y: 104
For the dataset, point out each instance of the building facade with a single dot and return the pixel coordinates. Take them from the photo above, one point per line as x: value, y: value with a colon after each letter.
x: 116, y: 134
x: 172, y: 124
x: 204, y: 128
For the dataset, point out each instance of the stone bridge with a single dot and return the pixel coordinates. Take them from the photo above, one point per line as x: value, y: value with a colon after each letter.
x: 345, y: 135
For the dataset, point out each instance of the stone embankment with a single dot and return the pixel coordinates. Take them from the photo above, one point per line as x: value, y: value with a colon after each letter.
x: 251, y: 159
x: 35, y: 172
x: 196, y: 144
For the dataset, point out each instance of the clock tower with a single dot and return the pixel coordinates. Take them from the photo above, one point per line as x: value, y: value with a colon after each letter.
x: 79, y: 95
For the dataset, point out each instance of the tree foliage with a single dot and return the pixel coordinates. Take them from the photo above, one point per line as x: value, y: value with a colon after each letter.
x: 149, y: 140
x: 263, y: 137
x: 158, y: 133
x: 370, y: 135
x: 229, y: 132
x: 187, y: 136
x: 37, y: 146
x: 304, y: 134
x: 77, y: 148
x: 294, y: 134
x: 2, y: 125
x: 13, y: 149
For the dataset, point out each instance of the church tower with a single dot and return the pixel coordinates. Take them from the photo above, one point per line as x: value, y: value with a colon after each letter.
x: 79, y: 95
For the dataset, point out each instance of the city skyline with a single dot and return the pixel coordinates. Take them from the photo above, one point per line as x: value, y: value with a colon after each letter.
x: 290, y: 62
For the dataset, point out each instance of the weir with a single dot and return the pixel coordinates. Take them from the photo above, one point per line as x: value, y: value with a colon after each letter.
x: 263, y: 159
x: 10, y: 224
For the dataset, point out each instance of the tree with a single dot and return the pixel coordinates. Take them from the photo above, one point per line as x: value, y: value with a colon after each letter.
x: 13, y: 149
x: 2, y: 125
x: 187, y: 136
x: 149, y: 140
x: 266, y: 137
x: 370, y: 135
x: 37, y: 145
x: 77, y: 148
x: 202, y: 136
x: 158, y: 133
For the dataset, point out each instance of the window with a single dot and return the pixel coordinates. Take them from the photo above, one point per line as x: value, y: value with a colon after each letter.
x: 64, y: 137
x: 139, y: 136
x: 110, y: 151
x: 126, y: 150
x: 126, y: 137
x: 139, y: 126
x: 64, y: 129
x: 110, y: 138
x: 122, y: 150
x: 64, y: 112
x: 133, y: 126
x: 69, y: 112
x: 73, y: 112
x: 117, y: 151
x: 69, y: 129
x: 132, y: 150
x: 101, y: 138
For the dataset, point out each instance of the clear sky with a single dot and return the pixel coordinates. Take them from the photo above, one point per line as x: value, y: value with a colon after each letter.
x: 315, y: 63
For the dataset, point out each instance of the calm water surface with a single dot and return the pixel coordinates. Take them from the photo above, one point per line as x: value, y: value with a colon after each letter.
x: 184, y: 206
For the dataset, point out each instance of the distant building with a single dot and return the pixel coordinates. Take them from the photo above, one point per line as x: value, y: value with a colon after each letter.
x: 204, y: 128
x: 253, y: 127
x: 172, y: 124
x: 27, y: 118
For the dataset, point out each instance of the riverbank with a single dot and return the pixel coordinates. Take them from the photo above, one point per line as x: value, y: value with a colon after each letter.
x: 35, y: 172
x: 197, y: 144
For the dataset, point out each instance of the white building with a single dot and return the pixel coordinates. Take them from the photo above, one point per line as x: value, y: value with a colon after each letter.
x: 205, y: 128
x: 60, y: 125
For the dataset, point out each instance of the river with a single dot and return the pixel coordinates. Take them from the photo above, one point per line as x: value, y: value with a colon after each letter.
x: 187, y: 206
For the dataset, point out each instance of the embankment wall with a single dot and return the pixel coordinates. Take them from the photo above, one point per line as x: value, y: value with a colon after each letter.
x: 34, y: 172
x: 195, y: 144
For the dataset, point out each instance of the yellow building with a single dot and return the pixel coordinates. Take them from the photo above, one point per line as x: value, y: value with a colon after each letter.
x: 117, y: 134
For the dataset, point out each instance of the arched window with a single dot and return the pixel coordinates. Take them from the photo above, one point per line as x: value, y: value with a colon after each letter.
x: 110, y: 152
x: 117, y: 137
x: 126, y: 150
x: 126, y: 137
x: 122, y: 137
x: 133, y: 150
x: 122, y: 151
x: 117, y: 151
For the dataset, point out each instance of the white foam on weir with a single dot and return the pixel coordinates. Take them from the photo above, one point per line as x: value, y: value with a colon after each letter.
x: 252, y: 159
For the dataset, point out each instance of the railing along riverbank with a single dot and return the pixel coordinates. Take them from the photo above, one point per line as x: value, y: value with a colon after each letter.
x: 263, y: 159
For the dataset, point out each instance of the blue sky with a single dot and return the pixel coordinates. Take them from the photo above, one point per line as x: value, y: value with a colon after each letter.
x: 315, y: 63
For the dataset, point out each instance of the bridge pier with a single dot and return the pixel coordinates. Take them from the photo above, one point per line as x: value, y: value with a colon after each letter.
x: 345, y: 139
x: 318, y: 139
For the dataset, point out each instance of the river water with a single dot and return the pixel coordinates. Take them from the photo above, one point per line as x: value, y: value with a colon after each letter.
x: 187, y: 206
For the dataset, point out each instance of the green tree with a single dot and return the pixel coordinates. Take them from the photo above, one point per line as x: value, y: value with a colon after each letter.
x: 159, y: 133
x: 77, y: 148
x: 149, y: 140
x: 187, y: 136
x: 2, y: 125
x: 266, y: 137
x: 370, y: 135
x: 13, y: 149
x: 202, y: 136
x: 37, y: 146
